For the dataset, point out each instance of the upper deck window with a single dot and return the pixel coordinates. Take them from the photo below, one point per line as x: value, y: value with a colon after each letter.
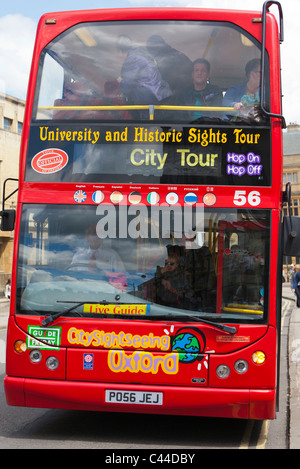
x: 134, y: 71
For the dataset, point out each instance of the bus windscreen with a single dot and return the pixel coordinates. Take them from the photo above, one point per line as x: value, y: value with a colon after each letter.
x: 150, y: 102
x: 154, y: 261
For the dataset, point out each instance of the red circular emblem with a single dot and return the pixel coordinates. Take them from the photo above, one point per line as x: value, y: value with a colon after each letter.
x: 49, y: 161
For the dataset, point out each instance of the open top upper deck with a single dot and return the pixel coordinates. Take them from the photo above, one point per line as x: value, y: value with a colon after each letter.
x: 166, y: 96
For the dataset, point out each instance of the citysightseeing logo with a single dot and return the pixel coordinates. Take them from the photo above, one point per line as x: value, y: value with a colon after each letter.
x: 155, y: 222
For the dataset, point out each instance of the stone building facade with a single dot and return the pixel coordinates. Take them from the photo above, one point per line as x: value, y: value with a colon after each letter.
x: 11, y: 123
x: 291, y: 164
x: 291, y: 173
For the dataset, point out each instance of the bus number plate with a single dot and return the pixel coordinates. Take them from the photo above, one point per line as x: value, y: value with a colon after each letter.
x: 133, y: 397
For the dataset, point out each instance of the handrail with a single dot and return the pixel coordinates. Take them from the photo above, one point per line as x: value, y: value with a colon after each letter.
x: 266, y: 7
x: 150, y: 107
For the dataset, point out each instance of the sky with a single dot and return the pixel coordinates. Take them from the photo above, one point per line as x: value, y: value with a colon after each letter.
x: 19, y: 19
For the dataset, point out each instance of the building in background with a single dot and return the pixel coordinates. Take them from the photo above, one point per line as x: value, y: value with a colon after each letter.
x: 291, y: 164
x: 11, y: 122
x: 291, y: 173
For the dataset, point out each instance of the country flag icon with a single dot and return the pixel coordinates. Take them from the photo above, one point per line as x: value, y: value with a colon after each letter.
x: 116, y: 197
x: 172, y: 198
x: 98, y: 197
x: 191, y: 198
x: 209, y: 199
x: 80, y: 196
x: 153, y: 198
x: 135, y: 198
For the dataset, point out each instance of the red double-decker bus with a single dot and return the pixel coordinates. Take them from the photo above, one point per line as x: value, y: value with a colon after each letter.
x: 147, y: 259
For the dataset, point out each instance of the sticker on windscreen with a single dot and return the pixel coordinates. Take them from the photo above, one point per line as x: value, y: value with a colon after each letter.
x: 49, y: 161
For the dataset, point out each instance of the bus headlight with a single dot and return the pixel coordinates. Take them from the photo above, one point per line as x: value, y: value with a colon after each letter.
x: 241, y: 366
x: 223, y: 371
x: 52, y: 363
x: 35, y: 356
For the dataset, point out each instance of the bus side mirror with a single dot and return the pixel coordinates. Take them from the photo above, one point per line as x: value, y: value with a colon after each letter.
x: 291, y: 236
x: 7, y: 216
x: 8, y: 220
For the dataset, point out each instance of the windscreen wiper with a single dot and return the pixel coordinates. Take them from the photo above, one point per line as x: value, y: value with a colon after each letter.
x: 222, y: 327
x: 51, y: 318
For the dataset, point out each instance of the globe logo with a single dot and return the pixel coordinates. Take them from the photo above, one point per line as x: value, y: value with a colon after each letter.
x: 188, y: 347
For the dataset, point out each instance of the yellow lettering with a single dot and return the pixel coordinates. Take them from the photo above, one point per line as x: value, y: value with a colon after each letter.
x: 132, y: 157
x: 241, y: 137
x: 111, y: 339
x: 144, y: 362
x: 212, y: 159
x: 43, y: 133
x: 108, y: 136
x: 193, y: 159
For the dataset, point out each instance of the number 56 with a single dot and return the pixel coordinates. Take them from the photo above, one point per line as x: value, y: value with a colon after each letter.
x: 240, y: 198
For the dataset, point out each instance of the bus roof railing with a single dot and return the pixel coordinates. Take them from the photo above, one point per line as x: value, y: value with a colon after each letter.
x: 266, y: 7
x: 150, y: 107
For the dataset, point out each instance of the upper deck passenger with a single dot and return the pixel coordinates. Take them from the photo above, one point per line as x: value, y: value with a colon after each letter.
x: 246, y: 94
x: 140, y: 80
x: 175, y: 67
x: 202, y: 92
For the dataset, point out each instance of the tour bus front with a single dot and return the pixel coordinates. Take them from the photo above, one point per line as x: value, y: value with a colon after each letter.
x: 149, y: 319
x: 144, y: 222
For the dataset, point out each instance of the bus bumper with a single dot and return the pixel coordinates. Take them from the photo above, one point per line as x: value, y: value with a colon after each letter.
x: 204, y: 402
